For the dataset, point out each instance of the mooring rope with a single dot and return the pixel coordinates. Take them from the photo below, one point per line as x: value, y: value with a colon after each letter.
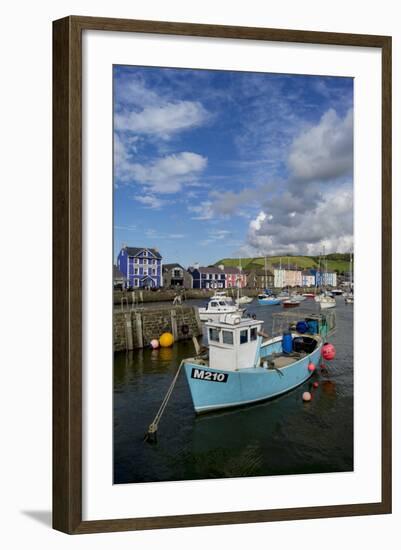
x: 153, y: 426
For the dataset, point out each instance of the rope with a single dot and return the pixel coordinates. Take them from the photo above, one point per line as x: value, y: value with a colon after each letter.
x: 153, y: 426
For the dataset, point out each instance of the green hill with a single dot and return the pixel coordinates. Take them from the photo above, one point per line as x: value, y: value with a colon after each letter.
x: 335, y: 262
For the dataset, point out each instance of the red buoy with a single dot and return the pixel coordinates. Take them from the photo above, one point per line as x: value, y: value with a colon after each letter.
x: 311, y: 367
x: 328, y: 352
x: 315, y: 384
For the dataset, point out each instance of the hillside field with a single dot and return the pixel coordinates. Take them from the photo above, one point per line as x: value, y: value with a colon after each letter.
x: 335, y: 262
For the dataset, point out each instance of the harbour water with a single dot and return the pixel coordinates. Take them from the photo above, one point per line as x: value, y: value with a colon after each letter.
x: 279, y: 437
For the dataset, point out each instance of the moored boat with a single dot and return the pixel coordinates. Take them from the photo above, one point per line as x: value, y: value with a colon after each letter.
x: 327, y: 302
x: 217, y: 307
x: 267, y: 300
x: 242, y: 368
x: 244, y: 300
x: 291, y: 302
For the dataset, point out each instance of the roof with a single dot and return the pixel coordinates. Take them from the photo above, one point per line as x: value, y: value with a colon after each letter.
x: 134, y: 251
x: 210, y: 270
x: 286, y: 267
x: 117, y: 273
x: 259, y: 272
x: 167, y: 267
x: 233, y: 270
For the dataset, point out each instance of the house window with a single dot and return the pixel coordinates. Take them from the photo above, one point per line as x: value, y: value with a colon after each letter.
x: 136, y: 282
x: 209, y: 275
x: 154, y: 262
x: 145, y: 252
x: 153, y: 271
x: 228, y: 337
x: 136, y: 260
x: 145, y: 261
x: 254, y: 333
x: 243, y: 336
x: 136, y: 271
x: 213, y: 335
x: 145, y: 271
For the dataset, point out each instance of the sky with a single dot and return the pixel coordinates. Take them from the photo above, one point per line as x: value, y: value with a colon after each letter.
x: 214, y: 164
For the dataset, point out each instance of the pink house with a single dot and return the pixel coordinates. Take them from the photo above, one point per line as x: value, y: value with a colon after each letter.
x: 234, y: 277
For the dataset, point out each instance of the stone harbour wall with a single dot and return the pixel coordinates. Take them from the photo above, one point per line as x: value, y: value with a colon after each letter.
x: 136, y: 328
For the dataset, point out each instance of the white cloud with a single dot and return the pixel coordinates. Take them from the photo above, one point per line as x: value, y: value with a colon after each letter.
x: 150, y: 201
x: 162, y: 120
x: 164, y: 175
x: 203, y: 212
x: 324, y: 151
x: 327, y: 223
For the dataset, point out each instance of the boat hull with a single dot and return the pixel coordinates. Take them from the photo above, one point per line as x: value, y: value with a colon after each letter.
x: 273, y: 302
x: 220, y: 389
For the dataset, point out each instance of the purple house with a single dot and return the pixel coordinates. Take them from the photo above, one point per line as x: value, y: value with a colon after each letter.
x: 141, y: 267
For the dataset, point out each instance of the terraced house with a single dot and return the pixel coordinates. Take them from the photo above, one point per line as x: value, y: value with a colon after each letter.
x: 141, y: 267
x: 208, y: 277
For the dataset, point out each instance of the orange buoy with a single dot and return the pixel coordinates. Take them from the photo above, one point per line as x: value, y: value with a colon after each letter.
x: 166, y: 340
x: 311, y: 367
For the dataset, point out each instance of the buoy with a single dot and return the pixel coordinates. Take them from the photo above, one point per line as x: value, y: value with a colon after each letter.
x: 311, y: 367
x: 328, y: 352
x: 154, y: 344
x: 306, y: 396
x: 166, y: 340
x: 302, y: 327
x: 315, y: 384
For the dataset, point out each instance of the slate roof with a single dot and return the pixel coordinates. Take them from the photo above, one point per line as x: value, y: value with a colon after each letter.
x: 167, y: 267
x: 134, y: 251
x: 259, y: 272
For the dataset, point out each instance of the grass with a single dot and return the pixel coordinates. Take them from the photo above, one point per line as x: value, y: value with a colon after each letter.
x: 335, y: 262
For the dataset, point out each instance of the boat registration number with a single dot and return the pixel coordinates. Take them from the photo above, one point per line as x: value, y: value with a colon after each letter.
x: 209, y: 375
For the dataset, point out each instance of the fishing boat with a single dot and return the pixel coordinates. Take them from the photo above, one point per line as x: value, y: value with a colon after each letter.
x: 266, y: 300
x: 217, y: 307
x: 241, y: 367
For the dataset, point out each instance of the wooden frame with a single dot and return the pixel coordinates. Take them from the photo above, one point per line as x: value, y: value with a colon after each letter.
x: 67, y: 279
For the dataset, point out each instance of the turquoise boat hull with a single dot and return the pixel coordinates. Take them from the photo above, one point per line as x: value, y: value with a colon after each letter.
x: 213, y: 389
x: 269, y: 302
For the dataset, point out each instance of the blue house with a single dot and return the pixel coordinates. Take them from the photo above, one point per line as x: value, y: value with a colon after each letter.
x: 208, y: 277
x: 141, y: 267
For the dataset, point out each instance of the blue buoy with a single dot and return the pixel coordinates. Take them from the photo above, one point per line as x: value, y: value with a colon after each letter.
x: 302, y: 327
x: 313, y: 326
x: 287, y: 342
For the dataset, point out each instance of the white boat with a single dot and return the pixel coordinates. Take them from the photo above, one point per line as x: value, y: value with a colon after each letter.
x: 216, y: 307
x: 244, y: 300
x: 221, y: 294
x: 327, y: 302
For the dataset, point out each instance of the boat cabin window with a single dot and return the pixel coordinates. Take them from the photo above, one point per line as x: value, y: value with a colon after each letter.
x: 213, y: 335
x: 243, y: 336
x: 254, y: 333
x: 213, y: 304
x: 228, y: 337
x: 222, y: 303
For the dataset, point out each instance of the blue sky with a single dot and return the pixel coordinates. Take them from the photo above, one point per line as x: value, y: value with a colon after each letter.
x: 211, y: 164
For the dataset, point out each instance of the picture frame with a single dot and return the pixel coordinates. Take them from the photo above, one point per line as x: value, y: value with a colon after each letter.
x: 67, y: 274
